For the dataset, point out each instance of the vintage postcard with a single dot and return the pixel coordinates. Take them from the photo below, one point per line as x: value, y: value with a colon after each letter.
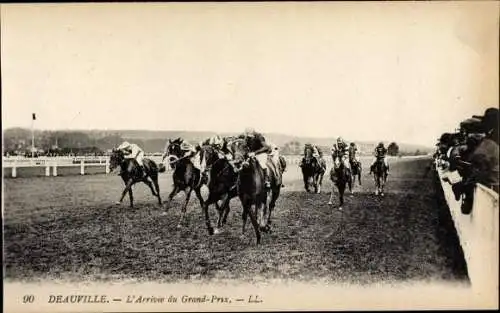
x: 250, y: 156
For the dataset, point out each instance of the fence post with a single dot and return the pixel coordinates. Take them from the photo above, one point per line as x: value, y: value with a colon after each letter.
x: 14, y: 170
x: 107, y: 166
x: 54, y: 173
x: 47, y: 170
x: 82, y: 168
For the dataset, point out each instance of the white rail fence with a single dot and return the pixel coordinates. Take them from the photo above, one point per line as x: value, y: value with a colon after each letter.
x: 51, y: 164
x: 477, y: 232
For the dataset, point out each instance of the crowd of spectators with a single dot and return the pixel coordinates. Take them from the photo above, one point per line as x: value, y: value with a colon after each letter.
x: 470, y: 156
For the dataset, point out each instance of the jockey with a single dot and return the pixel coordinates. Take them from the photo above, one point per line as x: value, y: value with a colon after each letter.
x: 339, y: 152
x: 191, y: 152
x: 275, y: 154
x: 352, y: 152
x: 380, y: 154
x: 256, y: 143
x: 219, y: 144
x: 215, y: 141
x: 133, y: 151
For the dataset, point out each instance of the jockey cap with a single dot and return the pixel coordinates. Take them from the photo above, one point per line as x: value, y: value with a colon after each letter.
x: 216, y: 140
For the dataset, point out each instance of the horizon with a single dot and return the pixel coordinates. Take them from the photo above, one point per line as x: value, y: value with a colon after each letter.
x: 402, y: 72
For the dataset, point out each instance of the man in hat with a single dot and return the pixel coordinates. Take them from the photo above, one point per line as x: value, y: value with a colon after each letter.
x: 483, y: 162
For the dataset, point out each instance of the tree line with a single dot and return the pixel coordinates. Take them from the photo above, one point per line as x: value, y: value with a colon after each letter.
x: 18, y: 141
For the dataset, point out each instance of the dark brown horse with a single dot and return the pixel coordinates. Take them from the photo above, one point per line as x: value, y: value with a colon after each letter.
x: 221, y: 185
x: 313, y: 169
x: 380, y: 176
x: 356, y: 169
x: 132, y: 173
x: 251, y: 189
x: 340, y: 177
x: 186, y: 177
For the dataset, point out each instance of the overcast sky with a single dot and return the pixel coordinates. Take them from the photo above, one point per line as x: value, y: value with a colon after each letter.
x: 366, y: 71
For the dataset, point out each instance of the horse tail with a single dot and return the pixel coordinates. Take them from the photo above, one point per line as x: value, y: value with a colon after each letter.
x: 150, y: 166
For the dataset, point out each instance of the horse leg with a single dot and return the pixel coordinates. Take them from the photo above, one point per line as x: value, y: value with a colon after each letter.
x: 150, y: 185
x: 383, y: 183
x: 330, y: 202
x: 320, y: 182
x: 225, y: 206
x: 359, y: 175
x: 172, y: 194
x: 197, y: 191
x: 341, y: 188
x: 131, y: 197
x: 306, y: 182
x: 253, y: 219
x: 246, y: 209
x: 350, y: 184
x: 272, y: 205
x: 128, y: 186
x: 184, y: 207
x: 157, y: 187
x: 207, y: 218
x: 220, y: 211
x: 261, y: 209
x: 317, y: 183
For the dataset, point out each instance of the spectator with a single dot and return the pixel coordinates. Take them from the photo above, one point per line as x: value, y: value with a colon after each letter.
x: 483, y: 162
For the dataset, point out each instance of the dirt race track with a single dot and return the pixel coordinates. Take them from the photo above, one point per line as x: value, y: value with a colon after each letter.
x: 68, y: 228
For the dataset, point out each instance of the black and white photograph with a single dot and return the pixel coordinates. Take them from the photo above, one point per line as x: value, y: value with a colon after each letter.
x: 250, y: 156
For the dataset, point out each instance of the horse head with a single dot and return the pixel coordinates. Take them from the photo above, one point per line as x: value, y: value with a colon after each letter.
x: 209, y: 154
x: 173, y: 151
x: 308, y: 151
x: 240, y: 152
x: 116, y: 159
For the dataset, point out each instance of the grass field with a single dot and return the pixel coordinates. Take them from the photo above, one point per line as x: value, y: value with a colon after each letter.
x: 68, y: 228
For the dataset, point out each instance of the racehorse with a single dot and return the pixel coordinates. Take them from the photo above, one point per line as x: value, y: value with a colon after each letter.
x: 251, y: 189
x: 312, y: 169
x: 340, y: 177
x: 221, y: 186
x: 186, y: 177
x: 356, y: 170
x: 132, y: 173
x: 380, y: 176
